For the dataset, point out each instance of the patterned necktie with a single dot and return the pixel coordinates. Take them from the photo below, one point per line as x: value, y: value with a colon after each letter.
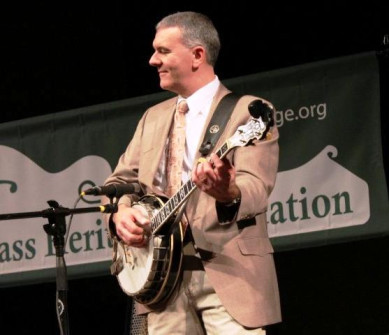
x: 176, y: 150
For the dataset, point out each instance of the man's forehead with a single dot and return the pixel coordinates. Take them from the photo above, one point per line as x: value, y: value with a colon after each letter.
x: 168, y: 32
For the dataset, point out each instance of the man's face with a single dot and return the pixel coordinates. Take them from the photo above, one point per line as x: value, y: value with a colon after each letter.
x: 173, y: 60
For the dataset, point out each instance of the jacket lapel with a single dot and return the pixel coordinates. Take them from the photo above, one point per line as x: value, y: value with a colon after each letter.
x: 158, y: 138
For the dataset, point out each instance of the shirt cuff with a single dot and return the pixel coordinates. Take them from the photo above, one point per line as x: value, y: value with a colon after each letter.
x: 227, y: 212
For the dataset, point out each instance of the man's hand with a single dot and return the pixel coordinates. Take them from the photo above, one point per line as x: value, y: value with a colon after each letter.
x: 216, y: 177
x: 132, y: 225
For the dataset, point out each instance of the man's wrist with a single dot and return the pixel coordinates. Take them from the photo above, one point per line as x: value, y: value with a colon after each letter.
x: 234, y: 194
x: 235, y: 201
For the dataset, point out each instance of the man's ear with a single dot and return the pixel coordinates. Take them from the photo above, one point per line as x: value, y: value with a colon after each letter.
x: 199, y: 56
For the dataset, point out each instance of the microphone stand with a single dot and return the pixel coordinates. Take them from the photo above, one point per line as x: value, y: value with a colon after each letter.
x: 57, y: 228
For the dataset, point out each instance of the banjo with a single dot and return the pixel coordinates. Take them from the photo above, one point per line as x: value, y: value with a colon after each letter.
x: 150, y: 274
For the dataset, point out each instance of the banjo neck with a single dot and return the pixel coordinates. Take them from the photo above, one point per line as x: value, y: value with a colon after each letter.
x: 171, y: 206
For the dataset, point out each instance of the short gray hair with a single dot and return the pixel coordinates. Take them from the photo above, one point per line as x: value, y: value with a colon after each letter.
x: 197, y: 29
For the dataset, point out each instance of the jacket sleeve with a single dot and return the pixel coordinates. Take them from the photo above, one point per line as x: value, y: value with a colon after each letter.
x: 126, y: 171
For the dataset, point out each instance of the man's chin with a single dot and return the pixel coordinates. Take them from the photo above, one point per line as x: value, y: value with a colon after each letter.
x: 164, y: 85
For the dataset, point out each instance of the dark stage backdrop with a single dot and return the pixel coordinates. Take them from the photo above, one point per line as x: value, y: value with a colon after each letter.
x: 337, y: 289
x: 57, y: 57
x: 329, y: 189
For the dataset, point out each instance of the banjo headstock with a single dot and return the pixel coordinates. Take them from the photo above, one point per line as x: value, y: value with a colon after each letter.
x: 257, y: 127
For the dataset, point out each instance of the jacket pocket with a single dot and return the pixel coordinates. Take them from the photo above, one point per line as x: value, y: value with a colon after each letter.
x: 259, y: 246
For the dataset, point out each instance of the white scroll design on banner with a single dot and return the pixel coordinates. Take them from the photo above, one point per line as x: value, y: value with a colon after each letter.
x: 26, y: 187
x: 318, y: 195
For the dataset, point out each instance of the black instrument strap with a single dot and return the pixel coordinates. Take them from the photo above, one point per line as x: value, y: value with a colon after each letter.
x: 218, y: 122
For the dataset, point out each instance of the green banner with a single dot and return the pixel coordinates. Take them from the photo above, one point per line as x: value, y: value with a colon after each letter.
x: 330, y: 186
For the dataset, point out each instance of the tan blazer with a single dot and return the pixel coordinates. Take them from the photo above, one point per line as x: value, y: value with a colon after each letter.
x: 242, y: 271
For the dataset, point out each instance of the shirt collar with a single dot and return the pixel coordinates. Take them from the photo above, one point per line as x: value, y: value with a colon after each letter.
x: 199, y: 99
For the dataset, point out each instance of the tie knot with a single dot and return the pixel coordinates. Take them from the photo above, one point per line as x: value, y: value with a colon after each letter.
x: 182, y: 107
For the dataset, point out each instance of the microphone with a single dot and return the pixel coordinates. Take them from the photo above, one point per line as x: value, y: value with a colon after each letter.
x: 113, y: 190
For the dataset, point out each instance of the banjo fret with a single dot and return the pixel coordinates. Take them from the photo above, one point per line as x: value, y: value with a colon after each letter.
x: 170, y: 207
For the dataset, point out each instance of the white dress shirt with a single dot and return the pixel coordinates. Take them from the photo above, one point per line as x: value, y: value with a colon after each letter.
x: 199, y: 104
